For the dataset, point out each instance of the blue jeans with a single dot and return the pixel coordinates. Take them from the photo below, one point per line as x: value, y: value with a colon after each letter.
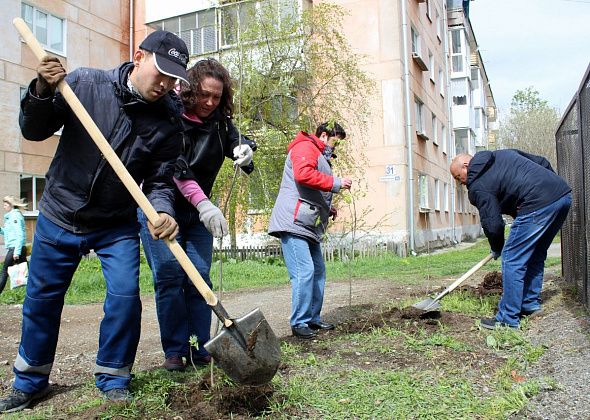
x: 54, y: 259
x: 307, y: 273
x: 523, y: 259
x: 182, y: 311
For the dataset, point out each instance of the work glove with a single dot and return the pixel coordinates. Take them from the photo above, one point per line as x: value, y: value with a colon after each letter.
x: 212, y: 218
x: 495, y: 255
x: 243, y: 154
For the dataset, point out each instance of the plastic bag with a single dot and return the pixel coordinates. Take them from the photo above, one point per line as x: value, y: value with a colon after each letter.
x: 18, y: 274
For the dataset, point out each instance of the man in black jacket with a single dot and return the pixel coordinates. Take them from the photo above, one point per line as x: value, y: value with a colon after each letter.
x: 525, y: 187
x: 85, y: 206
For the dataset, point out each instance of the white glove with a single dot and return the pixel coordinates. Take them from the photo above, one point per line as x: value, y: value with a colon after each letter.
x: 243, y: 154
x: 213, y: 219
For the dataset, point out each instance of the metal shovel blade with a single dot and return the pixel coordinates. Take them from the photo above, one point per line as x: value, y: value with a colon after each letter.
x: 427, y: 305
x: 248, y: 351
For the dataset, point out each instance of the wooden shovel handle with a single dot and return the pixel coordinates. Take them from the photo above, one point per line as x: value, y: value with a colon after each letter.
x: 464, y: 277
x: 118, y: 167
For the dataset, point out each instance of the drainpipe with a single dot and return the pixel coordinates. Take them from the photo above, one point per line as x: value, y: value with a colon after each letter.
x: 409, y: 134
x: 131, y: 28
x: 450, y: 137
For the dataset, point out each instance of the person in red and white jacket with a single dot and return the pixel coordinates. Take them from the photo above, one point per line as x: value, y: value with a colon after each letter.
x: 300, y: 217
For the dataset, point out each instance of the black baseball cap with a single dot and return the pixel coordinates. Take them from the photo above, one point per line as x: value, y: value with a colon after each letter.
x: 170, y: 53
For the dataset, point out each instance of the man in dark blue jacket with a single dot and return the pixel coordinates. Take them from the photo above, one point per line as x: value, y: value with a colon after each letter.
x: 85, y: 206
x: 525, y: 187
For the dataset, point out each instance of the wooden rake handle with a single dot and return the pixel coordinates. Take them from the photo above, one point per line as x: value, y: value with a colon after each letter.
x: 119, y: 168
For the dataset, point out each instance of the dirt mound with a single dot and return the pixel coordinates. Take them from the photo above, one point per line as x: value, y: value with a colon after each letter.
x: 491, y: 284
x: 201, y: 400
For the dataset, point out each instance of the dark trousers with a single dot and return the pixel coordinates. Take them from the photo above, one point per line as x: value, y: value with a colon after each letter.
x: 10, y: 261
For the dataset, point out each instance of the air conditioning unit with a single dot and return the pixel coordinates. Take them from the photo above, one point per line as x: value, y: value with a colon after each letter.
x: 418, y: 60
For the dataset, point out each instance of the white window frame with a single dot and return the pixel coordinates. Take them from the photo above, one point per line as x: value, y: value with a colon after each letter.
x: 441, y: 82
x: 445, y: 141
x: 423, y: 192
x: 434, y: 129
x: 438, y: 21
x: 415, y: 40
x: 34, y: 210
x: 429, y: 9
x: 445, y: 197
x: 457, y: 54
x: 431, y: 66
x: 419, y: 116
x: 436, y: 194
x: 33, y: 26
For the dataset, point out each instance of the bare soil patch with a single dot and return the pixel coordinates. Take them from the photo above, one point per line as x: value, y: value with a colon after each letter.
x: 371, y: 309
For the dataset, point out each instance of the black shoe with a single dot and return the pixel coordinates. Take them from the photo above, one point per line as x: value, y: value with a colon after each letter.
x: 321, y: 326
x: 19, y: 400
x: 532, y: 314
x: 492, y: 324
x: 118, y: 395
x: 303, y: 332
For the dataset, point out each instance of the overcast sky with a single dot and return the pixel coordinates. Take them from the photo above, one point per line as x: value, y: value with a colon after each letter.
x: 539, y: 43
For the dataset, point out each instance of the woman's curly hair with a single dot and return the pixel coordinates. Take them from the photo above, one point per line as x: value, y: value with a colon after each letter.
x: 208, y: 67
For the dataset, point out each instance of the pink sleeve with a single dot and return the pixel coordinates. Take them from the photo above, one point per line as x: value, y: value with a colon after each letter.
x: 190, y: 190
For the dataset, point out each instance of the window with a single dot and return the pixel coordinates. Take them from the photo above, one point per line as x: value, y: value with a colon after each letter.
x: 445, y: 141
x: 434, y: 129
x: 436, y: 195
x: 415, y: 41
x: 459, y: 89
x: 197, y: 30
x: 419, y: 116
x: 441, y: 82
x: 431, y: 66
x: 475, y: 78
x: 423, y: 191
x: 48, y: 29
x: 445, y: 200
x: 31, y: 189
x: 438, y: 21
x: 429, y: 9
x: 456, y: 51
x: 460, y: 205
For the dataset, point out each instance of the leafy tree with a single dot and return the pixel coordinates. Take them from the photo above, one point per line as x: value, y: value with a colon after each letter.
x: 292, y: 72
x: 530, y: 125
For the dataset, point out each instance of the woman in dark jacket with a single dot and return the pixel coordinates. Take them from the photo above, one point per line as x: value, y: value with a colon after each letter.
x: 209, y: 138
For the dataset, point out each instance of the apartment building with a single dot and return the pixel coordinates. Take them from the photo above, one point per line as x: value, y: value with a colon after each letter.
x: 411, y: 199
x: 88, y: 33
x: 473, y: 109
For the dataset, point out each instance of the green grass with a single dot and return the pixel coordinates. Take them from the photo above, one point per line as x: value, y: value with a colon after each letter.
x: 88, y: 283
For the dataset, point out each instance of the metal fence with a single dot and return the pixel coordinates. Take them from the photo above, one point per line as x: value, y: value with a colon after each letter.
x: 573, y: 163
x: 330, y: 251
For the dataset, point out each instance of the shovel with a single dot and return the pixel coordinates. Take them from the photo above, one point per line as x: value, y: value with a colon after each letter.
x: 246, y: 348
x: 431, y: 305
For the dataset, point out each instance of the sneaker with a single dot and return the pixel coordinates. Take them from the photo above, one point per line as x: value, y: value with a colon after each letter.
x: 492, y: 324
x: 174, y: 364
x: 18, y: 400
x: 118, y: 395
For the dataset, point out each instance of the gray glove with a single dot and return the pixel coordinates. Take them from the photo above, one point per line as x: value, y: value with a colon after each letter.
x: 213, y: 219
x: 495, y: 255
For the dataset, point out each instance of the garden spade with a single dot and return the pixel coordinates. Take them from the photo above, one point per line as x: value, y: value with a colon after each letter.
x: 432, y: 304
x: 246, y: 348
